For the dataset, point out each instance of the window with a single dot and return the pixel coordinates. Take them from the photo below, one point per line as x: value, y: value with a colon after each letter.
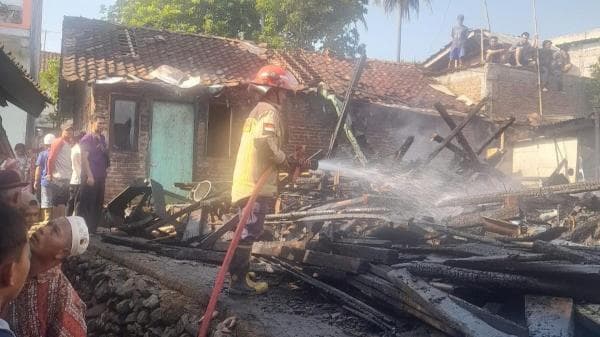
x: 15, y: 13
x: 124, y: 125
x: 219, y: 131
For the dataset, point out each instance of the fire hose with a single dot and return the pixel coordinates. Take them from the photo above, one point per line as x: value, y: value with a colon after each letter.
x: 212, y: 303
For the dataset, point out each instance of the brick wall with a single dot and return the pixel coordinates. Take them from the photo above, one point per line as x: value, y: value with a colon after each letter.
x: 470, y: 83
x: 514, y: 92
x: 309, y: 123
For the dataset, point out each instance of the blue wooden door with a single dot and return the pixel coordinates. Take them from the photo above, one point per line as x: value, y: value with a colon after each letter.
x: 172, y: 144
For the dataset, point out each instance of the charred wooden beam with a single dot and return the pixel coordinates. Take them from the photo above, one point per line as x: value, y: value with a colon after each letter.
x: 457, y: 150
x: 381, y: 290
x: 377, y: 317
x: 472, y: 219
x: 301, y: 214
x: 500, y: 226
x: 523, y: 265
x: 338, y: 262
x: 365, y: 242
x: 371, y: 254
x: 404, y: 148
x: 529, y: 192
x: 441, y: 306
x: 549, y: 316
x: 585, y: 229
x: 564, y: 253
x: 343, y: 114
x: 182, y: 253
x: 495, y: 280
x: 464, y: 143
x: 210, y: 240
x: 496, y: 135
x: 588, y: 315
x: 456, y: 130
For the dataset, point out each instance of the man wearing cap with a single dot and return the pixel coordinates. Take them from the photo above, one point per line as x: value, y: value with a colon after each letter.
x: 48, y: 306
x: 60, y: 168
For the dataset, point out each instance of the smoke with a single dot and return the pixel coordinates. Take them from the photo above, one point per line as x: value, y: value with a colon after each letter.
x: 416, y: 191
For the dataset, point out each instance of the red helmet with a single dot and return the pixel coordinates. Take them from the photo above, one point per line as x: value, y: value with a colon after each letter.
x: 272, y: 76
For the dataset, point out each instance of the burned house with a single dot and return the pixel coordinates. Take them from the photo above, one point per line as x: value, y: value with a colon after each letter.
x: 542, y: 136
x: 176, y: 102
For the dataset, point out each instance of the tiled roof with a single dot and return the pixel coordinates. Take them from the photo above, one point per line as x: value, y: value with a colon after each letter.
x: 94, y: 50
x: 17, y: 87
x: 381, y: 82
x: 46, y: 56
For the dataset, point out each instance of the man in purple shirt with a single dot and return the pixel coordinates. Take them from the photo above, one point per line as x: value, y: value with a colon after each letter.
x: 94, y: 162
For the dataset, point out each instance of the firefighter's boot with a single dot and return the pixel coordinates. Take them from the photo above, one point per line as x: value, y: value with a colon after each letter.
x: 241, y: 283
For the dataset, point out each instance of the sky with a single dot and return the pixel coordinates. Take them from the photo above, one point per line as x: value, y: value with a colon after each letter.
x: 422, y: 35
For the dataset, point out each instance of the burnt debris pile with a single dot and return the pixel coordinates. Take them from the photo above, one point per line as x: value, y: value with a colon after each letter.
x: 387, y: 244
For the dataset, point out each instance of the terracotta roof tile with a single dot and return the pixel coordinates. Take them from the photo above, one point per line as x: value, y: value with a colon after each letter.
x: 381, y: 82
x: 94, y: 50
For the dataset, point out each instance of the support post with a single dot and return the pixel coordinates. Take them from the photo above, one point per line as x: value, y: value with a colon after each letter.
x: 471, y: 156
x: 358, y: 68
x: 456, y: 130
x: 496, y: 135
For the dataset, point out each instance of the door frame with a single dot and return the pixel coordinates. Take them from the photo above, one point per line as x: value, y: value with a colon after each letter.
x: 195, y: 108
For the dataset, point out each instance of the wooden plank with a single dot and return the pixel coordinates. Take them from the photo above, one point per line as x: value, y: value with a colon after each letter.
x: 182, y: 253
x: 339, y: 262
x: 210, y: 240
x: 456, y: 130
x: 366, y: 242
x: 376, y: 317
x: 588, y: 315
x: 276, y: 248
x: 343, y: 113
x: 497, y: 280
x: 520, y: 265
x: 442, y: 306
x: 495, y: 135
x: 549, y: 316
x: 404, y: 148
x: 564, y: 253
x: 471, y: 219
x: 457, y: 150
x: 387, y: 293
x: 371, y: 254
x: 462, y: 140
x: 500, y: 226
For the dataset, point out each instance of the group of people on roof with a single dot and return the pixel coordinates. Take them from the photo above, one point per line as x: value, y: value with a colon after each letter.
x: 552, y: 62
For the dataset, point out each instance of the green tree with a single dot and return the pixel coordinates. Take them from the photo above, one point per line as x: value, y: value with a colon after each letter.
x: 48, y: 80
x: 404, y: 8
x: 307, y: 24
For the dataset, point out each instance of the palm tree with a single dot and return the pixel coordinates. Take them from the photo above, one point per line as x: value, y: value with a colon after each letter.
x: 404, y: 8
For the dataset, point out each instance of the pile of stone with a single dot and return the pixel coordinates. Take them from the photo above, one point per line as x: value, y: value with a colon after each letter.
x: 121, y: 302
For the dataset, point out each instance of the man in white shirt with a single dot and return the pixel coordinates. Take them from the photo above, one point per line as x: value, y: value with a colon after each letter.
x: 75, y: 182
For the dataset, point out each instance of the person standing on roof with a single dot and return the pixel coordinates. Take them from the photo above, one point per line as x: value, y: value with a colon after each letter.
x: 459, y: 39
x: 260, y: 148
x: 60, y: 168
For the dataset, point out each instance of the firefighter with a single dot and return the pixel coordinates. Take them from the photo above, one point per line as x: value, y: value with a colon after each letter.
x: 260, y: 148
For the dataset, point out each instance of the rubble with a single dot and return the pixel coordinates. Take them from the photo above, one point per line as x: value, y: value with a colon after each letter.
x: 397, y: 239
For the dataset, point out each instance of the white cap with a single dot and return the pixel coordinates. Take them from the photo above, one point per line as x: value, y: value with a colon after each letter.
x: 49, y: 139
x: 79, y: 235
